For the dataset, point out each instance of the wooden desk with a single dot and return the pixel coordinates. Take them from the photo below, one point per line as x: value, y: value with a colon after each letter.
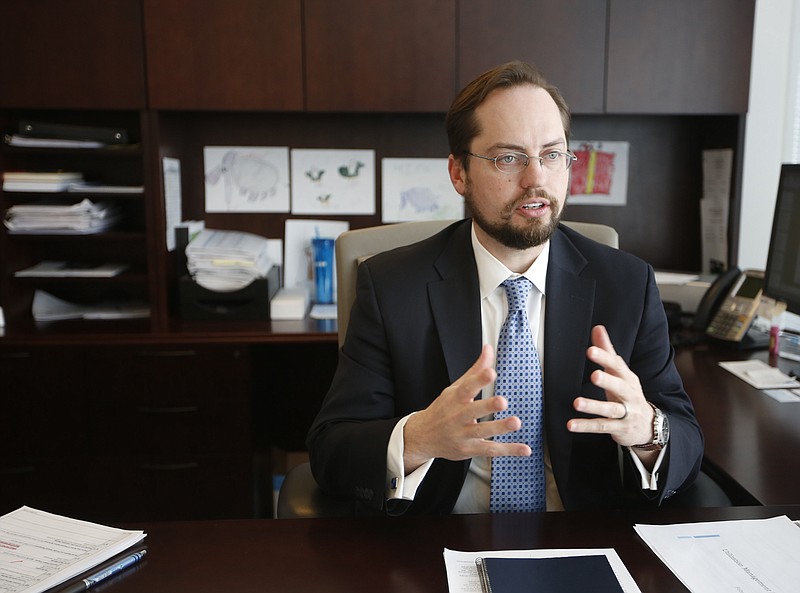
x: 382, y: 554
x: 750, y: 438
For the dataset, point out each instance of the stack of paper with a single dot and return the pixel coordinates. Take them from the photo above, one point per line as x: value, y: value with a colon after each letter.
x: 750, y: 556
x: 41, y: 550
x: 223, y: 261
x: 81, y: 218
x: 47, y: 307
x: 32, y: 181
x: 63, y: 269
x: 28, y: 142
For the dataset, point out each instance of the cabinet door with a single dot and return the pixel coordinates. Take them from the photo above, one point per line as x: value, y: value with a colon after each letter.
x: 224, y: 54
x: 380, y: 55
x: 687, y: 56
x: 170, y: 431
x: 566, y: 40
x: 80, y: 54
x: 43, y: 423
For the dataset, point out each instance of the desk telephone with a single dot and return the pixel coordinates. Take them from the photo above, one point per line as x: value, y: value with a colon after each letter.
x: 728, y: 308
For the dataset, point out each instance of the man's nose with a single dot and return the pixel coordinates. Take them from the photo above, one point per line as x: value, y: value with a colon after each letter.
x: 534, y: 175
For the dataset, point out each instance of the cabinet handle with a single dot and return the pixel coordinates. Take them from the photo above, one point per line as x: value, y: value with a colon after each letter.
x: 22, y: 469
x: 170, y: 467
x: 166, y: 353
x: 172, y: 410
x: 14, y: 355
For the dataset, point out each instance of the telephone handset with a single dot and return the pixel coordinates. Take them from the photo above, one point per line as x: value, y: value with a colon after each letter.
x: 730, y: 305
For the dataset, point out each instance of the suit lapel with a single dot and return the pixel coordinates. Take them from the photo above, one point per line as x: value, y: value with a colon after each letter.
x: 455, y: 303
x: 568, y: 318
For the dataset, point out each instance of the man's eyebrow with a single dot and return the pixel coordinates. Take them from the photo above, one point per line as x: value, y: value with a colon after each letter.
x: 558, y: 143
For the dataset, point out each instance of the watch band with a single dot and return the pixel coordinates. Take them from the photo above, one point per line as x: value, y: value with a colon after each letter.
x: 659, y: 438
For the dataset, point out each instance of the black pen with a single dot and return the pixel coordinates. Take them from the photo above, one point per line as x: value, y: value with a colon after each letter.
x: 92, y: 580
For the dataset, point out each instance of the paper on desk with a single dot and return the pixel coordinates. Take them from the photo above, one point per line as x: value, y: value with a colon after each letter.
x: 749, y: 556
x: 39, y: 550
x: 675, y: 278
x: 759, y: 374
x: 462, y: 573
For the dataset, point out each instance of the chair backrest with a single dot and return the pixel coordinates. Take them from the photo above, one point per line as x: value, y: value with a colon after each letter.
x: 352, y: 247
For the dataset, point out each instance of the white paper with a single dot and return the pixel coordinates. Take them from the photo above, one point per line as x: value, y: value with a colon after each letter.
x: 462, y: 574
x: 784, y: 396
x: 600, y: 175
x: 246, y: 178
x: 172, y: 198
x: 224, y: 261
x: 333, y: 181
x: 759, y: 374
x: 750, y: 556
x: 674, y: 278
x: 717, y: 166
x: 39, y: 550
x: 297, y: 257
x: 418, y: 189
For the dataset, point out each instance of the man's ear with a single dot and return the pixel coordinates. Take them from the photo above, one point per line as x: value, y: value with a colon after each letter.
x: 455, y: 167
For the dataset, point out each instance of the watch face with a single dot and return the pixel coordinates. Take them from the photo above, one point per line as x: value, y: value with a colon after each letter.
x: 663, y: 429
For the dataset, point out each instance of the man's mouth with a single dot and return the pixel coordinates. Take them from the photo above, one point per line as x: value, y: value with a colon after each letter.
x: 533, y: 206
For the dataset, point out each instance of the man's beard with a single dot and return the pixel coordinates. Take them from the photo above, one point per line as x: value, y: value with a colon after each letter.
x: 502, y: 230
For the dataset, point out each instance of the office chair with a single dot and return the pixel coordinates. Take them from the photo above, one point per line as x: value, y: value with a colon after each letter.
x: 300, y: 496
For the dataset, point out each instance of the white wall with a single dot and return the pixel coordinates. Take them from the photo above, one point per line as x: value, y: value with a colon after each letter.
x: 768, y: 127
x: 772, y: 127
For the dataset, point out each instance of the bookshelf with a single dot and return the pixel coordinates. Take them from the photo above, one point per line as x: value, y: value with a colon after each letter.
x: 126, y: 241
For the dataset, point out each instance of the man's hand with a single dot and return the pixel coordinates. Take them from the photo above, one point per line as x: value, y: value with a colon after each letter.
x: 626, y: 416
x: 449, y: 427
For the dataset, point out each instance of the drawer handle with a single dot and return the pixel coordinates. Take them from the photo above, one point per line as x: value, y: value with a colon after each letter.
x: 172, y: 410
x: 170, y: 467
x: 14, y: 355
x: 166, y: 353
x: 22, y: 469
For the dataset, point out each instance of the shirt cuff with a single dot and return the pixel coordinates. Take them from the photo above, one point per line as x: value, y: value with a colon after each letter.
x: 649, y: 479
x: 399, y: 485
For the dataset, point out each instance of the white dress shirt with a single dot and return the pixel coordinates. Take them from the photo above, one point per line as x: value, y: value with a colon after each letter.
x: 474, y: 496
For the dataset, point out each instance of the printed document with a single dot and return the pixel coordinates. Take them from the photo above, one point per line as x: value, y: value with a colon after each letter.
x: 750, y: 556
x: 39, y: 550
x: 462, y: 572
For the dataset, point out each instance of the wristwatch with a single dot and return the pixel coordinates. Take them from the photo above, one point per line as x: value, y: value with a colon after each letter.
x: 660, y: 431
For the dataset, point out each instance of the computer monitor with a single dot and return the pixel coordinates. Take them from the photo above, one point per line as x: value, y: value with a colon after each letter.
x: 782, y: 277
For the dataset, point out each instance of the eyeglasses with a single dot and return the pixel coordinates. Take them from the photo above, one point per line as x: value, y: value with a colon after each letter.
x: 556, y: 161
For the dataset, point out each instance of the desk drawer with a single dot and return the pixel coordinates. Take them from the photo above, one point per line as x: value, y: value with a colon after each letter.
x: 42, y: 397
x: 171, y: 431
x: 157, y: 375
x: 200, y: 488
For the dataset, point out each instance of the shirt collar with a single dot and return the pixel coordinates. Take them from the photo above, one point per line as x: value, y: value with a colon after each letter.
x: 492, y: 272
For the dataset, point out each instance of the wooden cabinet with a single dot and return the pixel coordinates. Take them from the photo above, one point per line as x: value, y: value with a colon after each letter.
x: 224, y: 54
x: 566, y: 40
x: 44, y: 448
x: 124, y: 242
x: 689, y: 57
x: 128, y: 433
x: 84, y: 54
x: 380, y: 55
x: 170, y: 430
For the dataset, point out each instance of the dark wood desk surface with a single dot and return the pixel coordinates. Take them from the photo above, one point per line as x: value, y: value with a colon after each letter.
x: 752, y: 438
x: 386, y: 555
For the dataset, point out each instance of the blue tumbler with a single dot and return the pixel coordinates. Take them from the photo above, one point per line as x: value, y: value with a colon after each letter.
x: 323, y: 269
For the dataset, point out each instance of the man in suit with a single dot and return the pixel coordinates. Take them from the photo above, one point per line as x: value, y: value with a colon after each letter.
x: 409, y: 422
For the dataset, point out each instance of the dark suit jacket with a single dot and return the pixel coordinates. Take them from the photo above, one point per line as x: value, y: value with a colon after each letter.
x: 415, y: 327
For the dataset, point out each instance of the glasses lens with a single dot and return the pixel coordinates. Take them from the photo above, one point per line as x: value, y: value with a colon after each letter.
x: 556, y: 161
x: 511, y: 162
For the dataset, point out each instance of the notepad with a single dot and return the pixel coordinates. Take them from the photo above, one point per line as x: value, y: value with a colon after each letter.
x: 574, y: 574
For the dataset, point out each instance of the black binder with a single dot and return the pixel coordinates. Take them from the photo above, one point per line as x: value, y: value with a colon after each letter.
x: 36, y: 129
x: 570, y: 574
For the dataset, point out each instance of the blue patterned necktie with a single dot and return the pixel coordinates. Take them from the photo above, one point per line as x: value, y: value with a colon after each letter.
x: 518, y: 482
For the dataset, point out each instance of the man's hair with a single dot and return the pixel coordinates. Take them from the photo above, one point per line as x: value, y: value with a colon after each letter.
x: 460, y: 121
